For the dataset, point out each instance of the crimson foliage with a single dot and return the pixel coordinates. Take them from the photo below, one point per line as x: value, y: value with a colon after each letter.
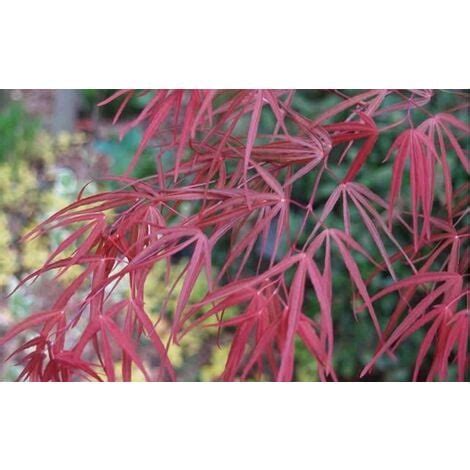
x: 239, y: 179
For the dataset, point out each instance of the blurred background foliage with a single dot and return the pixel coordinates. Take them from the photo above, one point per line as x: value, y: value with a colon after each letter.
x: 41, y: 171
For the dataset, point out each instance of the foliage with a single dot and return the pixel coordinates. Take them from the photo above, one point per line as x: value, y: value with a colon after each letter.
x: 229, y: 202
x: 33, y: 186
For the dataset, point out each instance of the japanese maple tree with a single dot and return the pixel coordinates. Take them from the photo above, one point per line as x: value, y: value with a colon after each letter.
x: 229, y: 165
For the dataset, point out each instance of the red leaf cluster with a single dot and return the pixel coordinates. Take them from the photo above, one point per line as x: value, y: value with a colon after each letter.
x: 232, y: 184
